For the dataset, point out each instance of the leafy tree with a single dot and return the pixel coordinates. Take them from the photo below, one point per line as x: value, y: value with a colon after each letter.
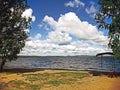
x: 108, y: 18
x: 12, y: 29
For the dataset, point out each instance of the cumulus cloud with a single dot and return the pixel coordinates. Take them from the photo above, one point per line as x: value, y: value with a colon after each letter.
x: 44, y: 48
x: 59, y: 37
x: 28, y: 14
x: 70, y: 23
x: 37, y: 37
x: 75, y: 3
x: 59, y: 40
x: 50, y: 20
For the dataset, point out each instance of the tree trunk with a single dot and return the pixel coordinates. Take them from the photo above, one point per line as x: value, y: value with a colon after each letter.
x: 2, y: 65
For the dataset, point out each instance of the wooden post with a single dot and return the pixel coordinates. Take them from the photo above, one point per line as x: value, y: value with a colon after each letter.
x: 0, y: 35
x: 101, y: 61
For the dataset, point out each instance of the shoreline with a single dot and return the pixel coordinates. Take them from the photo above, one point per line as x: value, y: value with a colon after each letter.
x: 26, y: 70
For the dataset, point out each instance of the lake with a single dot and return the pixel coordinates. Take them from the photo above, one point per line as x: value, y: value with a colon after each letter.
x: 67, y: 62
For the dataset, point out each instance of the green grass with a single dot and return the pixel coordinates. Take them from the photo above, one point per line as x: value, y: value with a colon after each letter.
x: 41, y: 80
x: 66, y: 78
x: 73, y: 74
x: 55, y: 79
x: 57, y: 82
x: 36, y: 77
x: 54, y: 82
x: 3, y: 85
x: 17, y: 85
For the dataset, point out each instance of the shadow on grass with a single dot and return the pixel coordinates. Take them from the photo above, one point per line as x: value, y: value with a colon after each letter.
x: 25, y: 70
x: 111, y: 74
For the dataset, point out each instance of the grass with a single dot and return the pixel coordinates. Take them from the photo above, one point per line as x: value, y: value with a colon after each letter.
x: 36, y: 81
x: 73, y: 74
x: 54, y: 82
x: 57, y: 80
x: 21, y: 85
x: 3, y: 85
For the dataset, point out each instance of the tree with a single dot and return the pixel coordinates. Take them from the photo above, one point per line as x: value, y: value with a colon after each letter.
x: 12, y: 29
x: 108, y: 18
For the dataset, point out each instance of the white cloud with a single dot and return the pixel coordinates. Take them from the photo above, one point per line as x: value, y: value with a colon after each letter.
x: 91, y: 10
x: 75, y: 3
x: 28, y: 14
x: 59, y: 37
x: 44, y: 48
x: 37, y: 37
x: 71, y: 24
x: 50, y: 20
x: 59, y: 42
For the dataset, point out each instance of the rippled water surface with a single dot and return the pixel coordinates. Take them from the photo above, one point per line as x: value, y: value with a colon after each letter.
x: 69, y: 62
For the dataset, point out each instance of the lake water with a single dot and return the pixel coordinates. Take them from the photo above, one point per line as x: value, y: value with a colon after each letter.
x: 68, y: 62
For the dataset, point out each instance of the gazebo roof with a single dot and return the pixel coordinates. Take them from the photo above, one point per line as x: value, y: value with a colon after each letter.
x: 108, y: 53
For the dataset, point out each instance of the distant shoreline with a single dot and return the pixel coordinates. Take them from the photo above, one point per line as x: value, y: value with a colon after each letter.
x: 20, y: 56
x: 61, y: 56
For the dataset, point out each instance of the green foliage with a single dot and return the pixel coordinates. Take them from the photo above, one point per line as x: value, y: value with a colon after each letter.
x: 12, y: 29
x: 117, y: 55
x: 108, y: 18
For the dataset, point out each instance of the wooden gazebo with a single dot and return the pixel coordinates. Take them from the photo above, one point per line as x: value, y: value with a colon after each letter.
x: 105, y: 53
x: 108, y: 53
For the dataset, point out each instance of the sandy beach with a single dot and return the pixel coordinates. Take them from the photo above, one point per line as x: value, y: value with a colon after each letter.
x: 56, y: 80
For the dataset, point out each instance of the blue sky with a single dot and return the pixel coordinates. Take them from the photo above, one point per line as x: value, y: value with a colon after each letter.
x: 64, y: 27
x: 55, y: 8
